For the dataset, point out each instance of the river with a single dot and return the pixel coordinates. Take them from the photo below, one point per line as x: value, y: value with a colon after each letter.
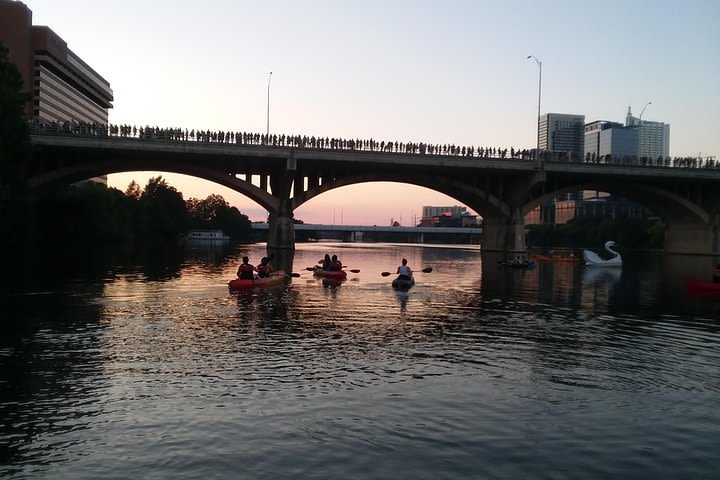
x: 154, y: 370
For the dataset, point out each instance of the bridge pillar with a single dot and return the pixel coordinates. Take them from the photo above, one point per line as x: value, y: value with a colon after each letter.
x: 281, y: 227
x: 503, y: 234
x: 693, y: 237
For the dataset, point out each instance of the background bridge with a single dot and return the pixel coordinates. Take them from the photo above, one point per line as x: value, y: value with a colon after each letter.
x: 352, y: 233
x: 502, y: 190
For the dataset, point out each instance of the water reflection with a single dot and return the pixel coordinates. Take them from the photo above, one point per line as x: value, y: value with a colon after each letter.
x: 50, y: 362
x: 476, y: 362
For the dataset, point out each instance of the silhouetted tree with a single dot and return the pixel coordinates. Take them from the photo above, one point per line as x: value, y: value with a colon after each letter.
x: 214, y: 212
x: 14, y: 156
x: 162, y: 212
x: 133, y: 190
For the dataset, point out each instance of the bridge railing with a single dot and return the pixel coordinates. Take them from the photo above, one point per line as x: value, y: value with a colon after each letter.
x: 148, y: 133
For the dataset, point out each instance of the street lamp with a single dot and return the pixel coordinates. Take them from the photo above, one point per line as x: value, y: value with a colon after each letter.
x: 640, y: 127
x: 539, y: 64
x: 268, y: 106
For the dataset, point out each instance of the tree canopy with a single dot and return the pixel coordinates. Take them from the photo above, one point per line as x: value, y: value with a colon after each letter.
x: 14, y: 152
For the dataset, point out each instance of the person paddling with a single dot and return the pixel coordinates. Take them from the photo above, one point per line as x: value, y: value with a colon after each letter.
x: 246, y: 269
x: 404, y: 272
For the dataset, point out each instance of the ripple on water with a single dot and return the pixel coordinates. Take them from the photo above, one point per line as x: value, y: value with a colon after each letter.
x: 495, y: 376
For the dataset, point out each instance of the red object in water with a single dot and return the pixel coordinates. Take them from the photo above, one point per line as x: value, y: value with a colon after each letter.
x: 702, y: 288
x: 275, y: 278
x: 330, y: 274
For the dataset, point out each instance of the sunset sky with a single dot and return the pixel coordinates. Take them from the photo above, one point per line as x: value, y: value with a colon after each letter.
x: 439, y: 72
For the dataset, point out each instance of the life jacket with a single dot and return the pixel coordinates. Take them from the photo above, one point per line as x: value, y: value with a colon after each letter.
x: 245, y: 272
x: 335, y: 266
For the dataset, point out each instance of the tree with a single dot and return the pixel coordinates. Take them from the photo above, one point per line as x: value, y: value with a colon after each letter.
x: 14, y: 152
x: 133, y: 190
x: 85, y: 216
x: 204, y: 213
x: 214, y: 212
x: 162, y: 214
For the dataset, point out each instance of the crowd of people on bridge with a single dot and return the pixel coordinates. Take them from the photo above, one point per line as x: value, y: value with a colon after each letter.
x: 40, y: 126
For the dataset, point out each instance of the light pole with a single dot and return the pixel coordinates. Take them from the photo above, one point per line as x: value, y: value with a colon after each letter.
x: 268, y: 106
x: 640, y: 127
x: 539, y: 64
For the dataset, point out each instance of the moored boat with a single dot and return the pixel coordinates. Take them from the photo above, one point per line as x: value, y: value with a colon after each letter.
x: 403, y: 283
x: 275, y: 278
x: 547, y: 258
x: 330, y: 274
x: 207, y: 236
x: 700, y: 287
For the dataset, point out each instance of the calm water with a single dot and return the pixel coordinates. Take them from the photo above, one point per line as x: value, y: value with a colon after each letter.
x: 157, y: 371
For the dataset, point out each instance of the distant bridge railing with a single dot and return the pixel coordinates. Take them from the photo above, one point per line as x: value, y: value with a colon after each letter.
x: 375, y: 228
x: 148, y: 133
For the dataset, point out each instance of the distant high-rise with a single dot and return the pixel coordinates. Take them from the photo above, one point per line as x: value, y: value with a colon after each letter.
x: 562, y: 132
x: 654, y: 136
x: 604, y: 138
x: 63, y: 87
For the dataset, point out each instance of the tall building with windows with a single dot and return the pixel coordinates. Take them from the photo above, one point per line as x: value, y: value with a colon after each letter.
x: 603, y: 138
x: 561, y: 133
x: 63, y: 87
x: 654, y: 136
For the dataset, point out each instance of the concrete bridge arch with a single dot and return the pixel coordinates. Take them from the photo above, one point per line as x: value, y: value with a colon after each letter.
x: 75, y: 173
x: 503, y: 223
x: 684, y: 217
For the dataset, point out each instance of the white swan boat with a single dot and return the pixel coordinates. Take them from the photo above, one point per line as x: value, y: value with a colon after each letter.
x: 593, y: 259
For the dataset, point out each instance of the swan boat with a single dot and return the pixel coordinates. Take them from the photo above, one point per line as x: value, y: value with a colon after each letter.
x: 592, y: 259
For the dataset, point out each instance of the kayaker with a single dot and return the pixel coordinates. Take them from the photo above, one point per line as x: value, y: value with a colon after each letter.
x: 326, y: 262
x: 263, y: 268
x: 716, y: 274
x: 335, y: 264
x: 404, y: 272
x: 246, y: 269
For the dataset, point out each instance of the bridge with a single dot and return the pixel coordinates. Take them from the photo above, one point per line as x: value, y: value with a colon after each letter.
x: 282, y: 175
x: 352, y: 233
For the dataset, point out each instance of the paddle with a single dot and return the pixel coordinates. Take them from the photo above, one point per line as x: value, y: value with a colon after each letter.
x: 295, y: 275
x: 424, y: 270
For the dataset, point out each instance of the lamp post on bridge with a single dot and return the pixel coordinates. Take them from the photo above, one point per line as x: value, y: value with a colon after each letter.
x: 640, y: 127
x: 539, y: 64
x: 267, y: 132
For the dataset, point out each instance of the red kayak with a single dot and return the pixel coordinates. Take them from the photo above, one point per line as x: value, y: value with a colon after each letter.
x: 330, y: 274
x: 274, y: 278
x: 702, y: 288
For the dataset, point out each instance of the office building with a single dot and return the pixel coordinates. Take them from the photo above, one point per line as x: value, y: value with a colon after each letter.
x: 562, y: 133
x: 654, y: 138
x: 613, y: 139
x: 455, y: 216
x: 63, y: 87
